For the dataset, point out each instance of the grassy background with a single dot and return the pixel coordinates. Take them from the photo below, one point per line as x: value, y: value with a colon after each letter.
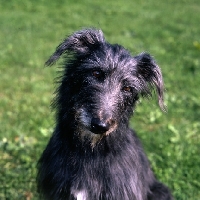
x: 30, y: 31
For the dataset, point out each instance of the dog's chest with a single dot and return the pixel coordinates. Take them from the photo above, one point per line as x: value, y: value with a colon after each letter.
x: 129, y: 189
x: 80, y: 195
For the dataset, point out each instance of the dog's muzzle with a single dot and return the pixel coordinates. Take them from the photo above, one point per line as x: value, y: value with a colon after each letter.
x: 99, y: 126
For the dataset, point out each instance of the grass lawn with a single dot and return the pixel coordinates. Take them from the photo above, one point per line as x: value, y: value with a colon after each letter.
x: 30, y: 31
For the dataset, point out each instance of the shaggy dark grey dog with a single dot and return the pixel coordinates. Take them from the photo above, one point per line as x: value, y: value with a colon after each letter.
x: 93, y: 154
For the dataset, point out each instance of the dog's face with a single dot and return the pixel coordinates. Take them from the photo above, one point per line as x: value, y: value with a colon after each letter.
x: 104, y: 82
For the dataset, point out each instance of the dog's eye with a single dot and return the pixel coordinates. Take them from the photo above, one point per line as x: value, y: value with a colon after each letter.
x: 97, y: 74
x: 127, y: 89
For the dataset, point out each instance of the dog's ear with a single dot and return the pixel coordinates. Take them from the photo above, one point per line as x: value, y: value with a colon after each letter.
x: 81, y: 42
x: 150, y: 77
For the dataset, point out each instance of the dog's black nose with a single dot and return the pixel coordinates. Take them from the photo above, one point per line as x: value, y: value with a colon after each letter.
x: 98, y: 126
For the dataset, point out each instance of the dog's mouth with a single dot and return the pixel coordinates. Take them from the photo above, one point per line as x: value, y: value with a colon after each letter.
x: 96, y: 125
x: 94, y: 135
x: 93, y: 128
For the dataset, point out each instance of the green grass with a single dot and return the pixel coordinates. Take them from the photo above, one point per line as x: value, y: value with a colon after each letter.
x: 30, y: 31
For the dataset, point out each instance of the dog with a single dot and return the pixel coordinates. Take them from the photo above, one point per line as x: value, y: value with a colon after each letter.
x: 93, y: 154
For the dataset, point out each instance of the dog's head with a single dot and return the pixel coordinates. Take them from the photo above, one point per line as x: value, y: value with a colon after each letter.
x: 102, y: 82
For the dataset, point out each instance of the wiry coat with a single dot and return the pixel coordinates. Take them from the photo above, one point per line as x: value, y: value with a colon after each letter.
x: 93, y: 154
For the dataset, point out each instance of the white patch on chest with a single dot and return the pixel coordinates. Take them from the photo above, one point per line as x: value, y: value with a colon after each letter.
x: 81, y: 195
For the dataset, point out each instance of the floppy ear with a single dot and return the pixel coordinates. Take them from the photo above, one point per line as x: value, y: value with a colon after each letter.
x: 81, y: 42
x: 150, y: 77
